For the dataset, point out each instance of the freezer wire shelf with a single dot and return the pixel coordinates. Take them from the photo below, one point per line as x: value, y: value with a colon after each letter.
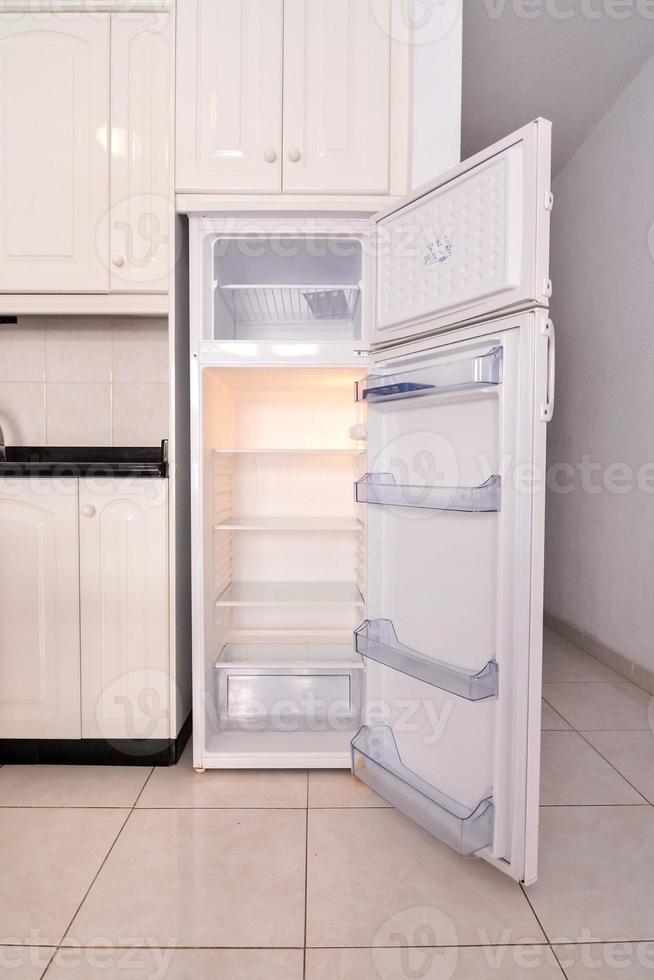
x: 290, y: 304
x: 460, y: 375
x: 381, y: 488
x: 377, y: 640
x: 376, y: 761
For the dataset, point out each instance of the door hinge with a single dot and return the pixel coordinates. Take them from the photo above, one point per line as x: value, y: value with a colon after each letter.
x: 547, y: 407
x: 547, y: 288
x: 549, y: 201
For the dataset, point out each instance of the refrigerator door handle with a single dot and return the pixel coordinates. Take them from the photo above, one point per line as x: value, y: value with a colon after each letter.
x: 547, y: 408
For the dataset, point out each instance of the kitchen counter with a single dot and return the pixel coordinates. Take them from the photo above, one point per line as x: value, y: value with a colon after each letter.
x: 58, y: 461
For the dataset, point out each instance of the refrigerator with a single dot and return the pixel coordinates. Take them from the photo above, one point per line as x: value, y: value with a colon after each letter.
x: 369, y: 405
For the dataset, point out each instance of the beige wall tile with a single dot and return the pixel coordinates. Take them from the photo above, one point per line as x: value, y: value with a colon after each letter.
x: 22, y: 413
x: 78, y: 349
x: 22, y: 350
x: 78, y: 414
x: 140, y: 414
x: 140, y: 349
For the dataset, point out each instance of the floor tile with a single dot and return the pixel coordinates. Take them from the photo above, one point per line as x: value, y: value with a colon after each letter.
x: 200, y: 878
x: 564, y: 662
x: 632, y: 754
x: 601, y: 707
x: 330, y: 788
x: 596, y: 868
x: 373, y: 874
x: 48, y: 860
x: 93, y: 786
x: 551, y: 720
x: 177, y: 964
x: 574, y: 774
x: 24, y: 962
x: 463, y: 963
x: 608, y: 961
x: 181, y: 786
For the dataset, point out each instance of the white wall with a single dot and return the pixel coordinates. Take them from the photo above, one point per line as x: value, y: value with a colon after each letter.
x: 600, y: 537
x: 84, y: 381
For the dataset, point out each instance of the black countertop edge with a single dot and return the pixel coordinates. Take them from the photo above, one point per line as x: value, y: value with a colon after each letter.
x: 77, y: 461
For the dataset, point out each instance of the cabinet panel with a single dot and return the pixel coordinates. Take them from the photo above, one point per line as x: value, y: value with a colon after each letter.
x: 139, y: 226
x: 229, y: 95
x: 124, y: 609
x: 336, y: 95
x: 54, y: 107
x: 39, y: 611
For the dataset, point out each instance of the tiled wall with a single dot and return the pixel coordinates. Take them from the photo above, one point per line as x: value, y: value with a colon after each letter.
x: 84, y: 381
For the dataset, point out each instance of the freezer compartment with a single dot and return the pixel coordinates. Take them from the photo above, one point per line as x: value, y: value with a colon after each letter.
x: 381, y: 488
x: 466, y: 373
x: 377, y: 640
x: 288, y: 687
x: 376, y: 762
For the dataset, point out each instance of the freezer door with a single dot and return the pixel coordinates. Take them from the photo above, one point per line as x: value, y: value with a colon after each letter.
x: 454, y: 500
x: 474, y: 242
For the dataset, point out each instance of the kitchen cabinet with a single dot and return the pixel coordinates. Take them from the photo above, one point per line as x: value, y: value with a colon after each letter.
x: 139, y: 227
x: 124, y: 608
x: 291, y: 96
x: 54, y: 163
x: 39, y: 610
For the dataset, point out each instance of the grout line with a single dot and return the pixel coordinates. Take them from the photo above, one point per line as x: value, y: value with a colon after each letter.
x: 615, y: 768
x: 560, y: 965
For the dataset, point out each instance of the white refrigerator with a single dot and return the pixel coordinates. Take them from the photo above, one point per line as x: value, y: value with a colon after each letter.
x: 369, y: 404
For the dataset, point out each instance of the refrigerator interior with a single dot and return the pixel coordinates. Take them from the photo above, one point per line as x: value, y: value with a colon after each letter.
x: 284, y: 576
x: 285, y: 288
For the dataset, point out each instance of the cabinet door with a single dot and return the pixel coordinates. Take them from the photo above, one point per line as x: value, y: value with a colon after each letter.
x: 229, y: 95
x: 336, y: 95
x: 124, y: 608
x: 139, y: 225
x: 455, y: 500
x: 39, y: 610
x: 54, y: 177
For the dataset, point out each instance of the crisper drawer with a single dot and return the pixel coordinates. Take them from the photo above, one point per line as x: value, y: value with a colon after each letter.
x: 288, y: 688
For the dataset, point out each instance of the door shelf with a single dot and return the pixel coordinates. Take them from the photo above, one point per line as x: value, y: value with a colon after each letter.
x: 288, y: 687
x: 460, y: 375
x: 376, y: 762
x: 329, y: 524
x: 377, y: 640
x: 381, y: 488
x: 290, y: 304
x: 290, y: 594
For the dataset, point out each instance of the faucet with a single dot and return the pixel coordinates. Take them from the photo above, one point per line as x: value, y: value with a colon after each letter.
x: 3, y: 448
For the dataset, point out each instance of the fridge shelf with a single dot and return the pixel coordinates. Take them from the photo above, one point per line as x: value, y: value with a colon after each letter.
x: 290, y: 524
x: 290, y: 304
x: 290, y: 594
x: 376, y: 761
x: 467, y: 373
x: 381, y: 488
x: 344, y: 451
x: 377, y: 640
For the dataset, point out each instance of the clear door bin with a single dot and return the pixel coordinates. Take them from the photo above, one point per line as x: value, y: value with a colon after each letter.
x: 288, y: 688
x: 376, y: 762
x: 454, y: 375
x: 377, y: 639
x: 381, y: 488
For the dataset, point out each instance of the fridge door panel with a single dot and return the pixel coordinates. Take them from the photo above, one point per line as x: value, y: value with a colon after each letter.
x: 452, y: 687
x: 474, y: 242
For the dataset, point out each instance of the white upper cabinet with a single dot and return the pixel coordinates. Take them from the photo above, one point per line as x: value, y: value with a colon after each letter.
x: 54, y: 175
x: 39, y: 610
x: 229, y: 95
x: 139, y: 225
x: 337, y: 66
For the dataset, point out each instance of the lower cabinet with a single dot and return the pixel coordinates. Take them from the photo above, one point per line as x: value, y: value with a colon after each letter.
x: 39, y: 610
x: 84, y: 649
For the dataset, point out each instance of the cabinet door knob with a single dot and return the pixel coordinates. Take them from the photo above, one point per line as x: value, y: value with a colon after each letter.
x: 119, y: 261
x: 294, y: 154
x: 270, y: 154
x: 88, y: 510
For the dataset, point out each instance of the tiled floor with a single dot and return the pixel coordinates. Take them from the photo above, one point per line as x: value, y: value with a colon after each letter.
x: 168, y: 875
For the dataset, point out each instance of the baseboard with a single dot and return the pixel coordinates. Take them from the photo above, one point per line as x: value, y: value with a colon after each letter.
x: 95, y: 751
x: 640, y: 676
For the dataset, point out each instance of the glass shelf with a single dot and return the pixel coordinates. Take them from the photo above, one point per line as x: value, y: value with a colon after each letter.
x: 376, y: 762
x: 467, y: 373
x: 381, y: 488
x: 356, y: 451
x: 327, y: 524
x: 377, y: 640
x: 290, y: 594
